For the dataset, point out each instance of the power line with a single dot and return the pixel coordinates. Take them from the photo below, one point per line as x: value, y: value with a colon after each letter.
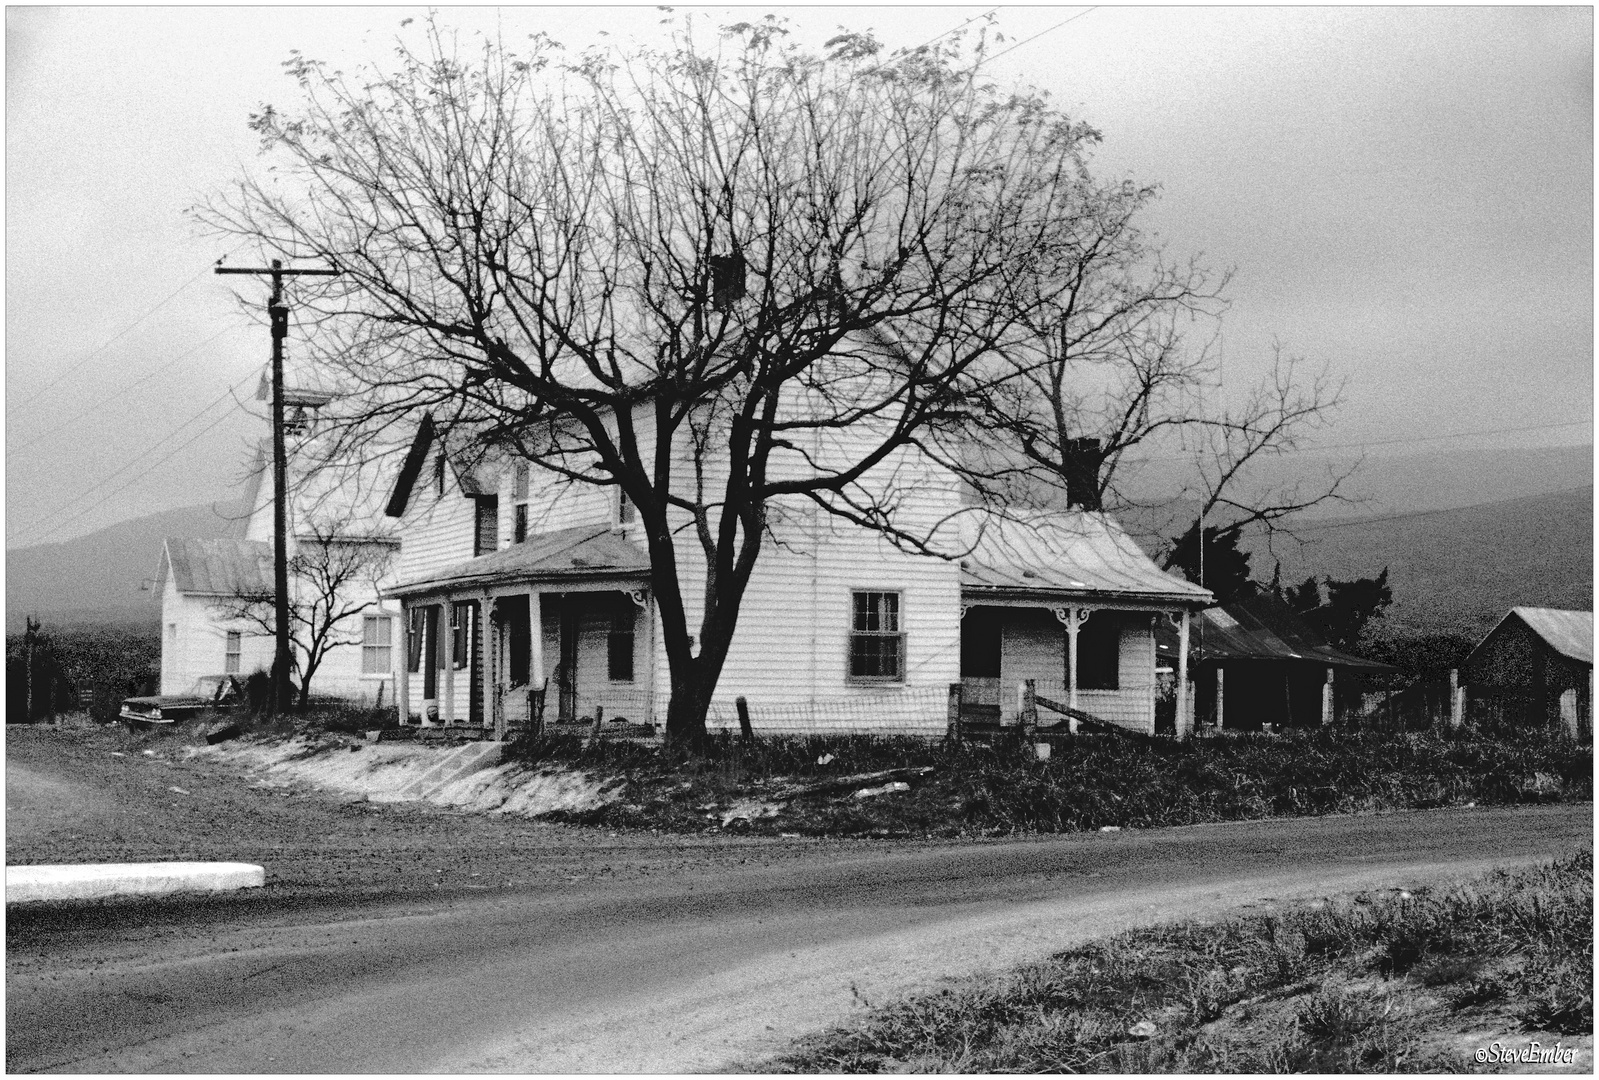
x: 1383, y: 442
x: 57, y: 425
x: 1036, y: 36
x: 119, y: 335
x: 143, y: 475
x: 1351, y: 523
x: 36, y: 531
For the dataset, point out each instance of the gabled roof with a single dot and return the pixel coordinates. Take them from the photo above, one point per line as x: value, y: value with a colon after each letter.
x: 471, y: 474
x: 1569, y: 633
x: 1262, y: 627
x: 584, y: 551
x: 217, y: 567
x: 1073, y: 553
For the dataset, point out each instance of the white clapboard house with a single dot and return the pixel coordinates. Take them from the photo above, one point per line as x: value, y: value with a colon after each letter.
x: 839, y: 629
x: 337, y: 528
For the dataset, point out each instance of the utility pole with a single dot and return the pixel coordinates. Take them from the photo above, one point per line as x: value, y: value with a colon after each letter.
x: 279, y: 315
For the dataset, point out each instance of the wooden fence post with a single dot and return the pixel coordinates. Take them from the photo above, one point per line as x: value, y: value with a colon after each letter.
x: 953, y: 732
x: 599, y: 719
x: 745, y: 732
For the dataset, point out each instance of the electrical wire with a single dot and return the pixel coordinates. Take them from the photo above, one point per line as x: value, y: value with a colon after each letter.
x: 119, y: 335
x: 1035, y: 37
x: 45, y: 528
x: 57, y: 425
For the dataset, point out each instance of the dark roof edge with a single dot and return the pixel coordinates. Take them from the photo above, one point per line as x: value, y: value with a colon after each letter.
x: 434, y: 585
x: 415, y: 458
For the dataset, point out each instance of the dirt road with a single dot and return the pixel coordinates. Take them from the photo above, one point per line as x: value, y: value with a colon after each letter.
x: 607, y: 953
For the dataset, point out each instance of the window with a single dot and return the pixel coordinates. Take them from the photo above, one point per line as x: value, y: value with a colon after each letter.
x: 619, y: 644
x: 232, y: 652
x: 625, y: 513
x: 1099, y: 642
x: 438, y: 474
x: 413, y: 644
x: 519, y: 497
x: 487, y: 534
x: 461, y: 633
x: 376, y: 638
x: 876, y: 642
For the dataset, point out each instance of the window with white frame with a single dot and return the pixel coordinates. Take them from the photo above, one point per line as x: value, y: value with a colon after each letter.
x: 625, y: 514
x: 377, y: 638
x: 232, y: 652
x: 519, y: 499
x: 877, y: 638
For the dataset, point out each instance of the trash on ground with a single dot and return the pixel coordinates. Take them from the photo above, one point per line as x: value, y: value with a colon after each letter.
x: 886, y: 789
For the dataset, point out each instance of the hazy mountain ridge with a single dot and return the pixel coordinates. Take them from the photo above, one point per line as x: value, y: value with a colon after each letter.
x: 1459, y: 569
x: 1519, y: 532
x: 95, y: 579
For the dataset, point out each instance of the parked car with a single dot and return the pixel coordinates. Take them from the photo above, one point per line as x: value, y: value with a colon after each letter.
x: 210, y: 694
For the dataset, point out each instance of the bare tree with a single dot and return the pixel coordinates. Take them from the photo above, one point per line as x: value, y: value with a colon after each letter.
x: 1115, y: 366
x: 333, y: 578
x: 598, y: 262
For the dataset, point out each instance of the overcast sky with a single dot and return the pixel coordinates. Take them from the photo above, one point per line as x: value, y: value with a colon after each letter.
x: 1405, y: 194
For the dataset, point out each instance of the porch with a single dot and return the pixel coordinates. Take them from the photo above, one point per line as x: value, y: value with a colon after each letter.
x: 1083, y: 662
x: 557, y: 629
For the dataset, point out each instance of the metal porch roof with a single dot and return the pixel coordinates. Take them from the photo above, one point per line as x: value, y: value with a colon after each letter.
x: 584, y: 551
x: 1569, y: 633
x: 1074, y: 553
x: 220, y: 567
x: 1264, y: 628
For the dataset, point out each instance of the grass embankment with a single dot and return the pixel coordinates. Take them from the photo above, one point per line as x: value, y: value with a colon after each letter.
x: 804, y: 785
x: 1391, y: 982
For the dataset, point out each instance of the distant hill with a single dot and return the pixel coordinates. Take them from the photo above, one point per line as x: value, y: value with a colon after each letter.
x: 94, y: 579
x: 1459, y: 569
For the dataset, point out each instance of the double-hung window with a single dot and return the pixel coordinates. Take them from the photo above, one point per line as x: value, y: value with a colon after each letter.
x: 232, y: 652
x: 519, y: 499
x: 376, y: 643
x: 877, y: 638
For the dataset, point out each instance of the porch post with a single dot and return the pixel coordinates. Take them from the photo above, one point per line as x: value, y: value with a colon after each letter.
x: 1220, y: 696
x: 1183, y: 726
x: 1073, y: 623
x: 402, y: 674
x: 485, y: 671
x: 447, y: 706
x: 1327, y: 699
x: 535, y: 664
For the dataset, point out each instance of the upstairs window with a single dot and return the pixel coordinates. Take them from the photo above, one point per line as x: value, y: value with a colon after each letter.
x: 232, y: 652
x: 519, y: 498
x: 377, y: 636
x: 438, y: 475
x: 877, y: 640
x: 487, y: 535
x: 625, y: 512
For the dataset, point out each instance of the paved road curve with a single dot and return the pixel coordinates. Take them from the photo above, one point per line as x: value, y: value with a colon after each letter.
x: 684, y: 971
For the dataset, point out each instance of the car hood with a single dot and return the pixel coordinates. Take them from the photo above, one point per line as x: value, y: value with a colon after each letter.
x: 168, y: 701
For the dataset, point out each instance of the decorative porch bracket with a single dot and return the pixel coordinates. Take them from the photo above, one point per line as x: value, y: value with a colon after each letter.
x: 1072, y: 618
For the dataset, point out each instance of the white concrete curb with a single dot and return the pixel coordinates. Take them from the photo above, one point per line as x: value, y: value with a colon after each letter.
x: 87, y: 882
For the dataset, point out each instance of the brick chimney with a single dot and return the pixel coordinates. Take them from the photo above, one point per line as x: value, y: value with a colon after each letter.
x: 1081, y: 459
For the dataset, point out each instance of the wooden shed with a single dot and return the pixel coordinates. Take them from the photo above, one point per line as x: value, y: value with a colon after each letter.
x: 1534, y: 668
